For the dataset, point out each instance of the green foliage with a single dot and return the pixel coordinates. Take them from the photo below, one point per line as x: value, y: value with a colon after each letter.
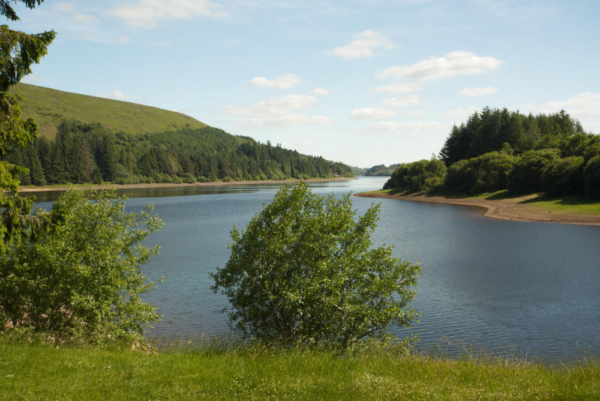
x: 486, y: 173
x: 18, y: 51
x: 304, y: 272
x: 592, y: 177
x: 526, y: 176
x: 82, y: 278
x: 564, y: 176
x: 424, y: 175
x: 487, y: 131
x: 91, y: 153
x: 381, y: 170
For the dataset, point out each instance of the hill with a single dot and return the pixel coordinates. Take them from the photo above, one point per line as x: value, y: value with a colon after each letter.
x: 49, y: 107
x: 86, y: 139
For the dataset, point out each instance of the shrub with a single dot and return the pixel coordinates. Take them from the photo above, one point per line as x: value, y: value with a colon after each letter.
x: 304, y: 272
x: 592, y: 177
x: 490, y: 172
x: 564, y: 176
x: 82, y: 279
x: 423, y: 175
x: 456, y: 178
x: 526, y: 176
x: 486, y: 173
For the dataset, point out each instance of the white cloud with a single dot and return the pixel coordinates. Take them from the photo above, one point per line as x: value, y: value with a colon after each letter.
x: 124, y: 39
x: 283, y: 82
x: 384, y: 109
x: 284, y: 121
x: 394, y: 103
x: 148, y: 13
x: 460, y: 114
x: 363, y: 45
x: 371, y: 113
x: 319, y: 92
x: 478, y: 91
x: 585, y: 107
x: 417, y: 113
x: 116, y: 94
x: 275, y: 106
x: 405, y: 127
x: 409, y: 87
x: 278, y: 112
x: 452, y: 64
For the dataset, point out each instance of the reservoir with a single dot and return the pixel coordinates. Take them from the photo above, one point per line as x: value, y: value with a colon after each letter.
x: 502, y: 286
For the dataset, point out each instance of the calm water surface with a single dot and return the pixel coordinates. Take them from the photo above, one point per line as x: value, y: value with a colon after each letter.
x: 530, y: 288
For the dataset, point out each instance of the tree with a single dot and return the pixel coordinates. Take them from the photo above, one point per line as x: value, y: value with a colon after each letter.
x: 18, y: 51
x: 82, y: 278
x: 304, y: 272
x: 592, y: 177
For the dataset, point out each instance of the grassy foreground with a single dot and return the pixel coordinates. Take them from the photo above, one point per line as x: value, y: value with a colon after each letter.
x: 29, y: 372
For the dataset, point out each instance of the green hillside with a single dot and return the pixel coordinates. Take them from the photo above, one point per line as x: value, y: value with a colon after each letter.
x: 49, y: 107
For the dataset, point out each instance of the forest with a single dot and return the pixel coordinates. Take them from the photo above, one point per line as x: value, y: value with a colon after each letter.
x: 91, y: 153
x: 499, y: 149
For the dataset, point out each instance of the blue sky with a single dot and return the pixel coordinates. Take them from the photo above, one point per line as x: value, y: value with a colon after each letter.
x: 364, y: 82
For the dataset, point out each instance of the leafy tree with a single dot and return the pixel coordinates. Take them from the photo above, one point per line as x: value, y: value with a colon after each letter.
x: 592, y: 177
x: 564, y: 176
x: 526, y: 176
x: 82, y: 279
x: 423, y: 175
x: 18, y: 51
x: 304, y: 272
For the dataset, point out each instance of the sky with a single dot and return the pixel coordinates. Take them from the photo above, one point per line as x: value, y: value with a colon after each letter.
x: 364, y: 82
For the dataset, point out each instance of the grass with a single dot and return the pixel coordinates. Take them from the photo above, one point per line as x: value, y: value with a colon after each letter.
x: 570, y: 204
x: 32, y: 372
x: 49, y: 107
x: 575, y: 204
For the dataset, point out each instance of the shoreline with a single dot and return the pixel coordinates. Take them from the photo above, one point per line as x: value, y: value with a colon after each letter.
x: 503, y: 209
x: 172, y: 185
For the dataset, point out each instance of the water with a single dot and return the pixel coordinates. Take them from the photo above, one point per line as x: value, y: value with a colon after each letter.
x: 531, y: 288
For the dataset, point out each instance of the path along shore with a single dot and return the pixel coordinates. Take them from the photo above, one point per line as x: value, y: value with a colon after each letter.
x: 505, y: 209
x: 166, y: 185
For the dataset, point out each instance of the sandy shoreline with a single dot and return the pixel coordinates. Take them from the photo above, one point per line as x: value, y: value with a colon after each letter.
x: 505, y: 209
x: 166, y: 185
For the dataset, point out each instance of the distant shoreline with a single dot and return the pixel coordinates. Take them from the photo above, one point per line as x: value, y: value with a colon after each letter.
x: 504, y: 209
x: 171, y: 185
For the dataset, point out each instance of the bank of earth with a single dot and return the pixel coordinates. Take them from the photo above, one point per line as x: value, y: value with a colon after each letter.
x: 31, y: 188
x: 500, y: 205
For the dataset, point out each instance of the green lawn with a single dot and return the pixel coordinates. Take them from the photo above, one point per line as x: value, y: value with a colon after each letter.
x: 41, y: 373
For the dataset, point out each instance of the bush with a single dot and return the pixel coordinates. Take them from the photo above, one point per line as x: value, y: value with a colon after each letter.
x: 564, y: 176
x: 456, y: 178
x: 423, y: 175
x: 304, y: 272
x: 526, y: 176
x: 486, y: 173
x: 592, y: 177
x: 490, y: 172
x: 82, y: 279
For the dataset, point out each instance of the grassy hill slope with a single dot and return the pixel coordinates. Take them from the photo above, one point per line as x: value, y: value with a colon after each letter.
x: 50, y: 106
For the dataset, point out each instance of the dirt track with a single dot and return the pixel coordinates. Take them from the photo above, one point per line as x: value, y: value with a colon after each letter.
x: 506, y: 209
